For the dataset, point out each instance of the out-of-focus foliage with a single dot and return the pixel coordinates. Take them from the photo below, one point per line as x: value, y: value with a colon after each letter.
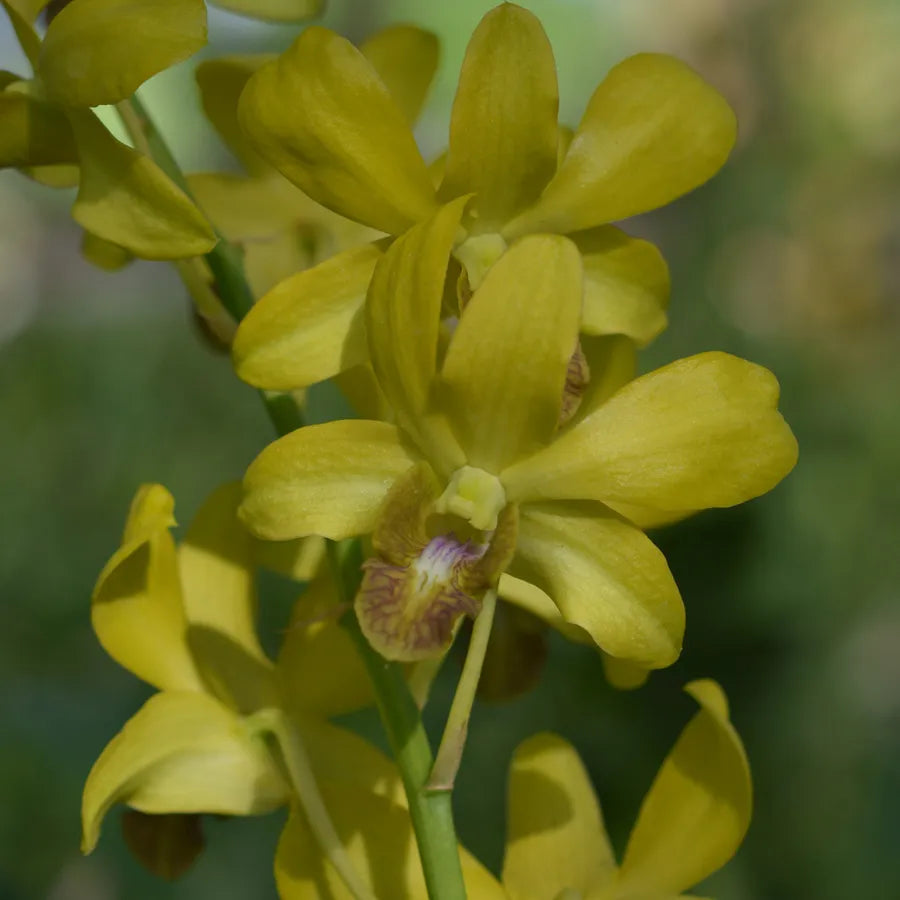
x: 790, y: 257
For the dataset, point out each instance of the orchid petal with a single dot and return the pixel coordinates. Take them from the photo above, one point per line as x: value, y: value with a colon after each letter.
x: 321, y: 115
x: 323, y: 479
x: 503, y: 129
x: 318, y: 665
x: 20, y: 18
x: 126, y: 198
x: 653, y: 130
x: 532, y: 599
x: 338, y: 755
x: 33, y: 133
x: 626, y: 285
x: 309, y: 326
x: 405, y: 58
x: 403, y: 317
x: 623, y: 674
x: 556, y: 837
x: 299, y: 559
x: 216, y: 564
x: 101, y: 51
x: 696, y: 813
x: 605, y: 576
x: 166, y: 844
x: 104, y: 254
x: 701, y: 432
x: 505, y: 369
x: 248, y: 209
x: 221, y: 81
x: 612, y: 361
x: 181, y: 753
x: 136, y: 608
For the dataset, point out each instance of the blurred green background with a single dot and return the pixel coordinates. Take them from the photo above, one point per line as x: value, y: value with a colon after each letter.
x: 790, y: 257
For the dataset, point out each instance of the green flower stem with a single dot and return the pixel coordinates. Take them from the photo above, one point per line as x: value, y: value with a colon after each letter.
x: 431, y: 813
x: 293, y: 755
x: 449, y: 754
x: 284, y: 411
x: 224, y: 260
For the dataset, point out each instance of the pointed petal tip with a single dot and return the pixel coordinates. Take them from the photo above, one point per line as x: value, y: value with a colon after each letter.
x: 698, y: 808
x: 709, y: 694
x: 154, y: 500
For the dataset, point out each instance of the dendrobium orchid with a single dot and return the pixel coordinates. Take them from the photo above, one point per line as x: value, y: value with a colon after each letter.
x: 320, y: 114
x: 511, y: 485
x: 181, y: 619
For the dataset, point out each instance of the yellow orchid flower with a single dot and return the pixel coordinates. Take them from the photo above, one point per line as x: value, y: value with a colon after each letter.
x: 281, y: 230
x: 98, y: 52
x: 182, y: 619
x: 481, y: 426
x: 691, y: 822
x: 321, y: 114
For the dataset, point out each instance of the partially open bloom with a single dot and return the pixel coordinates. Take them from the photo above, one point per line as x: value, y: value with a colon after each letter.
x: 182, y: 619
x: 98, y: 52
x: 652, y: 131
x: 484, y: 417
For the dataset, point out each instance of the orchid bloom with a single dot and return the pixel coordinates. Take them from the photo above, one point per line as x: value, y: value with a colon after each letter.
x: 477, y: 476
x: 321, y: 115
x: 182, y: 619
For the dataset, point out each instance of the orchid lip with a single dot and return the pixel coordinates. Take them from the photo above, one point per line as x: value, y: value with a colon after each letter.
x: 410, y: 612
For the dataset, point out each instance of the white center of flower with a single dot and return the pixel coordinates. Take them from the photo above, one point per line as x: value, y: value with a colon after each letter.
x: 478, y: 253
x: 473, y: 495
x: 434, y: 565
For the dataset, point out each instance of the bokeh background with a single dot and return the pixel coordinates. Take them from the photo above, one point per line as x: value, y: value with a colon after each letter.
x: 790, y: 257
